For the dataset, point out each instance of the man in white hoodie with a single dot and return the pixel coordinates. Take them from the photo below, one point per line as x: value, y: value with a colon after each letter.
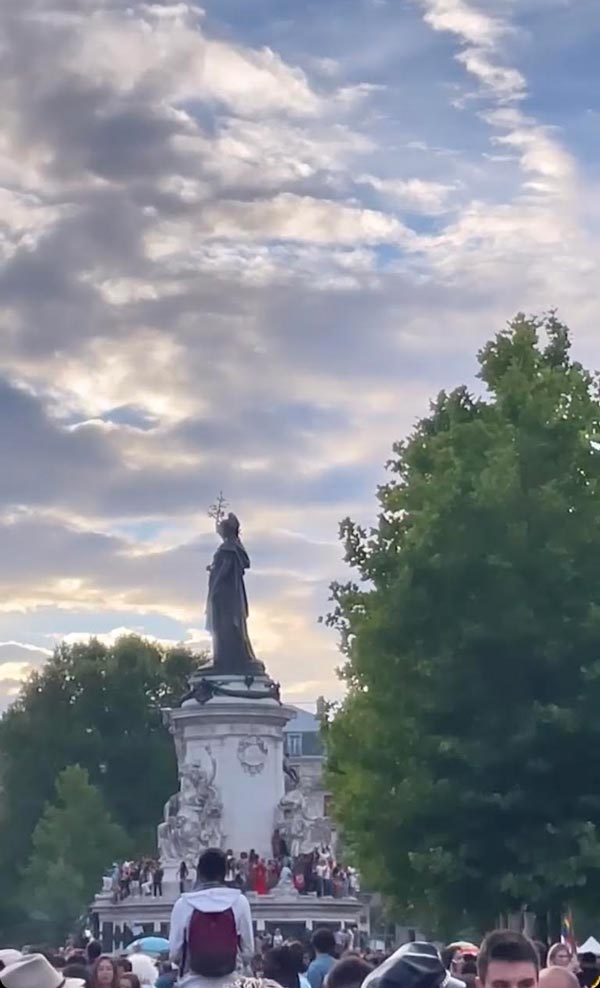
x: 210, y: 928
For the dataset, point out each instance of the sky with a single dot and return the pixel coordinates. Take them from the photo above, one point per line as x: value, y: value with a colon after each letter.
x: 241, y: 247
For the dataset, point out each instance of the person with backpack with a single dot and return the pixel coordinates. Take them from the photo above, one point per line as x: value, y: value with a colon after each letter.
x: 210, y: 927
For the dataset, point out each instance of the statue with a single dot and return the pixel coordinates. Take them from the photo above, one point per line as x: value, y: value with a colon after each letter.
x: 301, y: 832
x: 166, y: 830
x: 292, y: 776
x: 192, y: 818
x: 227, y: 604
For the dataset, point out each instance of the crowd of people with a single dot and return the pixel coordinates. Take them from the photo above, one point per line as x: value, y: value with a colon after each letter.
x: 212, y: 945
x: 505, y: 958
x: 560, y: 964
x: 83, y: 967
x: 142, y: 877
x: 317, y: 873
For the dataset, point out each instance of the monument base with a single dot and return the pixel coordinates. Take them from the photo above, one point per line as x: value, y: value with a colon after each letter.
x: 229, y: 747
x: 117, y: 923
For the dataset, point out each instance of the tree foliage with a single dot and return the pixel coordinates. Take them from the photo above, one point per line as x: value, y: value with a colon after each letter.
x: 462, y: 760
x: 99, y: 707
x: 73, y: 844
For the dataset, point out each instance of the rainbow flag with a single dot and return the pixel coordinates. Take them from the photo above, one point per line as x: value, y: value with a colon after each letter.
x: 568, y: 933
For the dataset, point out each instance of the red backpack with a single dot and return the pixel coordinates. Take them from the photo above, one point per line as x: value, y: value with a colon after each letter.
x: 212, y: 944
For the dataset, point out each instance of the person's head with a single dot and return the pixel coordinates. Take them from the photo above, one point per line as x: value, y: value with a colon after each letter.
x: 588, y: 960
x: 558, y: 977
x: 144, y: 967
x: 123, y: 965
x: 447, y: 955
x: 212, y: 865
x: 93, y: 951
x: 298, y: 952
x: 324, y: 942
x: 105, y: 973
x: 349, y: 972
x: 456, y: 965
x: 76, y: 957
x: 507, y: 960
x: 559, y: 955
x: 129, y: 980
x: 469, y: 971
x: 77, y: 971
x: 281, y: 965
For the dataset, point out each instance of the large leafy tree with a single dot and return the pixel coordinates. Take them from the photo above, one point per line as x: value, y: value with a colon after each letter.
x: 99, y: 707
x: 464, y: 758
x: 73, y: 844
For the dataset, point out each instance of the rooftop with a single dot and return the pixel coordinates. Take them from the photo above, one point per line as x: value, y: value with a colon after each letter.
x: 303, y: 723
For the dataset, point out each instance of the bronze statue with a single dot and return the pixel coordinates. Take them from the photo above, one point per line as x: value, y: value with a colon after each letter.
x: 227, y: 604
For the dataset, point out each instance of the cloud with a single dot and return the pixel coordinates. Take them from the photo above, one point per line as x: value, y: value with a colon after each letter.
x: 241, y: 254
x: 464, y: 20
x: 70, y: 571
x: 17, y: 660
x: 430, y: 198
x: 285, y: 217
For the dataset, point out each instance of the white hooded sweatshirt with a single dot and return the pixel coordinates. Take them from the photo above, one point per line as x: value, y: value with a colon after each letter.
x: 213, y: 899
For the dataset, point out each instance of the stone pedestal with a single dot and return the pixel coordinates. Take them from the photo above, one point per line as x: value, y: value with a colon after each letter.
x: 230, y: 759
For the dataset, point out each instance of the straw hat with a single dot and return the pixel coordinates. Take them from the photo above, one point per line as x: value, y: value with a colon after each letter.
x: 34, y: 971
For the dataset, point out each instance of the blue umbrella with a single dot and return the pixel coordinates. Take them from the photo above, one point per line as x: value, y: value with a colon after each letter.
x: 149, y: 945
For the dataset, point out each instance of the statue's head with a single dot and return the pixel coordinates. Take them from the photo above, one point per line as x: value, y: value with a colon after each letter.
x: 229, y: 527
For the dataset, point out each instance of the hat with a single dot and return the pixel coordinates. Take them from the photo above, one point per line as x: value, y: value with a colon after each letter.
x: 414, y: 965
x: 9, y: 956
x: 34, y: 971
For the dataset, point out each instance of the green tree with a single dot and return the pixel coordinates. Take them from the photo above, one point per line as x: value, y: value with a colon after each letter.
x: 462, y: 760
x: 99, y: 707
x: 74, y: 842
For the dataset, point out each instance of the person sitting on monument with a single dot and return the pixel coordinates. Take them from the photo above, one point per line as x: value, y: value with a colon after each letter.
x: 209, y: 927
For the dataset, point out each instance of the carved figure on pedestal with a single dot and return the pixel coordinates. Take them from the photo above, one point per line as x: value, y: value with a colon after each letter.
x: 292, y: 776
x: 166, y: 830
x: 301, y: 831
x: 192, y: 817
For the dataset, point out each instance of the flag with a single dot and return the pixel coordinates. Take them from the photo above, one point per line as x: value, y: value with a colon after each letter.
x: 568, y: 933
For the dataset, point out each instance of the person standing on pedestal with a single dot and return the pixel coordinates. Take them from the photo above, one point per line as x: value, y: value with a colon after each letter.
x: 183, y: 874
x: 261, y: 878
x: 157, y: 880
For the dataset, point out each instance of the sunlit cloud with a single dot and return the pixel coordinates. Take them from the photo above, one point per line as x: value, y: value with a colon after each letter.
x: 243, y: 254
